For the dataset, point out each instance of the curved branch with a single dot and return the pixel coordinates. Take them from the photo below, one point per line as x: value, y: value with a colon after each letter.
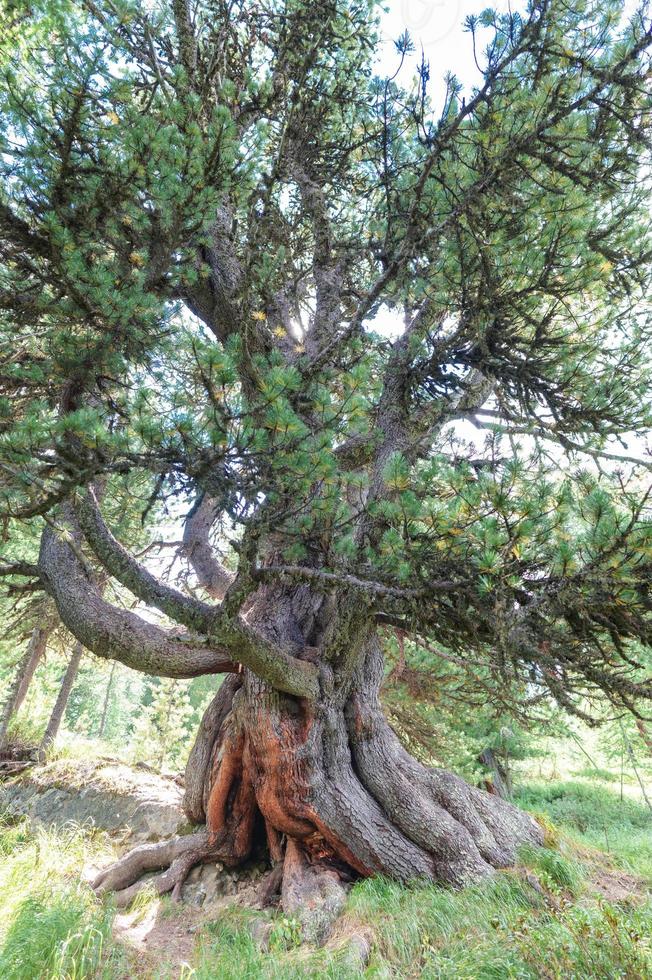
x: 542, y: 431
x: 211, y: 574
x: 23, y: 568
x: 116, y: 634
x: 281, y: 668
x: 188, y: 611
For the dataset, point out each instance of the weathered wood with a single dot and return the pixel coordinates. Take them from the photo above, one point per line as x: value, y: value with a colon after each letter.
x: 332, y: 781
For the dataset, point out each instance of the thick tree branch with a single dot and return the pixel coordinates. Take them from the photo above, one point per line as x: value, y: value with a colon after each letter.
x: 353, y: 581
x: 187, y: 610
x: 211, y: 574
x: 116, y: 634
x: 25, y: 569
x: 327, y: 275
x: 279, y: 667
x: 185, y: 35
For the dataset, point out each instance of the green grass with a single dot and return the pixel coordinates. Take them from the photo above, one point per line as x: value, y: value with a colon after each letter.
x: 597, y: 817
x: 499, y: 930
x: 597, y: 772
x: 502, y: 929
x: 228, y: 951
x: 53, y: 928
x: 553, y: 870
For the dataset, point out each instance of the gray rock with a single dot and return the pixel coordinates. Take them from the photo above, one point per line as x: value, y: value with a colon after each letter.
x: 105, y: 794
x: 194, y: 894
x: 212, y: 876
x: 210, y: 881
x: 260, y: 930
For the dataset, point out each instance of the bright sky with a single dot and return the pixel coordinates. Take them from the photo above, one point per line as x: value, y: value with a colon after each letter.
x: 437, y: 26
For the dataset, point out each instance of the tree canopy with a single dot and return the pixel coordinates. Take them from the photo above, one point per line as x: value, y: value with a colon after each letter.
x: 203, y: 209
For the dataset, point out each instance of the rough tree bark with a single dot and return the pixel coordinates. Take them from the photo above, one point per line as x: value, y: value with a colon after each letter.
x: 294, y: 754
x: 323, y: 784
x: 67, y: 681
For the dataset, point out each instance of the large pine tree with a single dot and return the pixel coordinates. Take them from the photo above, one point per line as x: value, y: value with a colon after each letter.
x: 204, y: 206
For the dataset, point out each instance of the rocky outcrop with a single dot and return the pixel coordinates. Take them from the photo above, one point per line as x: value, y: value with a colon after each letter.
x: 133, y: 803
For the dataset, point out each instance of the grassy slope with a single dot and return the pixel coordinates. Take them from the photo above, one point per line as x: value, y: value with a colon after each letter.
x: 52, y: 927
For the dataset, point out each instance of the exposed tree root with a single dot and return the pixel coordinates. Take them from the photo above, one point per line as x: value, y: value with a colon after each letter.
x: 467, y: 831
x: 270, y: 889
x: 312, y: 893
x: 202, y: 756
x: 177, y: 856
x: 333, y: 794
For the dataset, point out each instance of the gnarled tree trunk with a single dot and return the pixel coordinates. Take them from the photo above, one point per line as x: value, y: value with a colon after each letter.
x: 324, y: 784
x: 294, y: 753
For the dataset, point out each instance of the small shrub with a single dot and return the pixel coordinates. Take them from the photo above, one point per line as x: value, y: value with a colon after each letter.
x: 285, y: 934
